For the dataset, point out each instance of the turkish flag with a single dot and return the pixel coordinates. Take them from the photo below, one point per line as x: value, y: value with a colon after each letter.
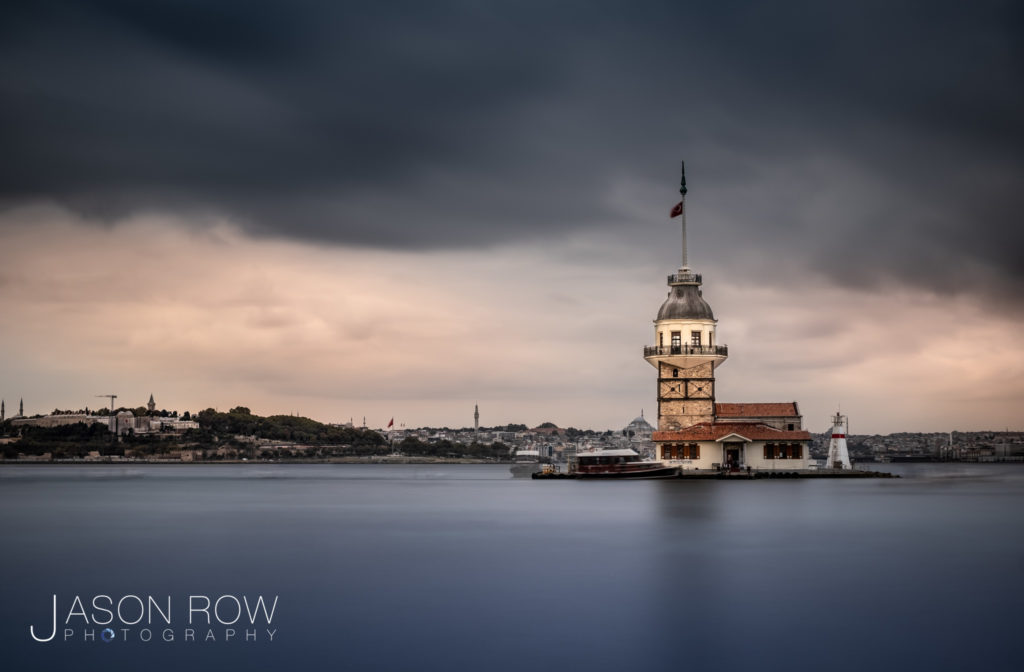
x: 676, y: 211
x: 391, y: 424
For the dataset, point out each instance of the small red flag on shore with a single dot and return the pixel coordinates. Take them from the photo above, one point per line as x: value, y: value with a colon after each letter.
x: 391, y: 424
x: 676, y: 211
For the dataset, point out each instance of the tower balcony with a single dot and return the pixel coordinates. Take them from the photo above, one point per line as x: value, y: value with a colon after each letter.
x: 670, y: 350
x: 685, y: 278
x: 685, y: 355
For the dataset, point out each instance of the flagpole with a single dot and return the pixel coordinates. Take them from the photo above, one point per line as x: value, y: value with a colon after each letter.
x: 682, y: 191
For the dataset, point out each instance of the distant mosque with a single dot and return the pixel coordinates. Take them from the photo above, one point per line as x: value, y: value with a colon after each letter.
x: 3, y: 410
x: 638, y: 434
x: 695, y: 431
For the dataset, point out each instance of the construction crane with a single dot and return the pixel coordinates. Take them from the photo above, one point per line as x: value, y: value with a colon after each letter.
x: 113, y: 418
x: 111, y: 397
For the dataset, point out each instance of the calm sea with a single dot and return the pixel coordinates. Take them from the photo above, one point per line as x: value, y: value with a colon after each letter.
x: 460, y: 567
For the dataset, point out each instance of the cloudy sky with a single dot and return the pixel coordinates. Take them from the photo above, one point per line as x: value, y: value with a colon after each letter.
x: 400, y: 209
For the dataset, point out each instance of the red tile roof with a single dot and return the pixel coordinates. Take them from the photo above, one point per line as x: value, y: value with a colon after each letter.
x: 770, y: 410
x: 713, y: 431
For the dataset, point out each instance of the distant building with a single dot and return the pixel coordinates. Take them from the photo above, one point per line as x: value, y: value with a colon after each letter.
x: 59, y: 420
x: 638, y: 429
x: 637, y: 434
x: 151, y: 405
x: 123, y: 423
x: 695, y: 432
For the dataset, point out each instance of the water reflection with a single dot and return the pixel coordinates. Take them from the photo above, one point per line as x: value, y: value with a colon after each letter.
x: 402, y: 567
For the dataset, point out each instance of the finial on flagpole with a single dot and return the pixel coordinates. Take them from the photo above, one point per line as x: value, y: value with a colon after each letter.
x: 682, y: 183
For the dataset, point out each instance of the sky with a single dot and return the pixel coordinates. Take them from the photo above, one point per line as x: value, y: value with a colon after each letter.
x: 402, y: 209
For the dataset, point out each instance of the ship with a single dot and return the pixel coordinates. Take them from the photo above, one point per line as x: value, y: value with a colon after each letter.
x: 527, y: 462
x: 619, y: 463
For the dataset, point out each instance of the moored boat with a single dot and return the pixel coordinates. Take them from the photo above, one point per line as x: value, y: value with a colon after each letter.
x: 527, y: 462
x: 619, y: 463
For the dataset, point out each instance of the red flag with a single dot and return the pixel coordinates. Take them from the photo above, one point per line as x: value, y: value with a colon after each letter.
x: 676, y: 211
x: 391, y: 424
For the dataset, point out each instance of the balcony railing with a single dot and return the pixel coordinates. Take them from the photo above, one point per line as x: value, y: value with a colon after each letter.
x: 677, y: 278
x: 667, y: 350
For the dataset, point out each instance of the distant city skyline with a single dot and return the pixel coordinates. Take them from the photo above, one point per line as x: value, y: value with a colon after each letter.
x: 396, y: 212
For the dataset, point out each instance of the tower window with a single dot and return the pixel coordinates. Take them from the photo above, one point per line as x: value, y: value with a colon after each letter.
x: 695, y: 338
x: 677, y: 342
x: 675, y: 373
x: 661, y: 339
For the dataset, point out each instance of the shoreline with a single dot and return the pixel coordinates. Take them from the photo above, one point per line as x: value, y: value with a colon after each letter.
x: 331, y: 460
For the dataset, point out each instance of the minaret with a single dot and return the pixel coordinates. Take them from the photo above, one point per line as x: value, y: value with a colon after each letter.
x: 476, y: 418
x: 838, y: 455
x: 2, y: 410
x: 685, y: 351
x: 151, y: 405
x: 21, y: 407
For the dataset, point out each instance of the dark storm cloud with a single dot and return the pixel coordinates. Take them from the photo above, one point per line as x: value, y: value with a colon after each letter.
x: 461, y: 123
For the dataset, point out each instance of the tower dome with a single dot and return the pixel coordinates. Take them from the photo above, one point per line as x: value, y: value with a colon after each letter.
x: 685, y: 302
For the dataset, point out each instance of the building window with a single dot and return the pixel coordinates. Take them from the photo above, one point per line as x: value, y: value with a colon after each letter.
x: 769, y: 451
x: 691, y: 451
x: 790, y: 426
x: 695, y: 338
x: 661, y: 339
x: 675, y: 373
x: 677, y: 341
x: 796, y: 451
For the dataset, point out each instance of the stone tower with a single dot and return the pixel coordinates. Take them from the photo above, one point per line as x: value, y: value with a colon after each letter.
x: 686, y: 352
x: 151, y: 405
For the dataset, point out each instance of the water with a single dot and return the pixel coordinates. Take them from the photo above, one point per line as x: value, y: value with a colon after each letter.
x: 459, y: 567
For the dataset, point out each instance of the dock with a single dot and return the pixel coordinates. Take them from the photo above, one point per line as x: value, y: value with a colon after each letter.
x: 725, y: 475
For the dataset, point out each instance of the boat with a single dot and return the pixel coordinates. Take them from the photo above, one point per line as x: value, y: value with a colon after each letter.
x: 527, y: 462
x: 619, y: 463
x: 551, y: 472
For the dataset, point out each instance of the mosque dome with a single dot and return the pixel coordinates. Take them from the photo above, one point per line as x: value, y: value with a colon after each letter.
x: 685, y: 302
x: 639, y: 422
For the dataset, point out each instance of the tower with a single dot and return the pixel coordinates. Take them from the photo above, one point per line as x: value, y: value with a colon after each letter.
x: 838, y: 455
x: 685, y: 352
x: 151, y: 405
x: 21, y: 408
x: 476, y: 418
x: 2, y: 410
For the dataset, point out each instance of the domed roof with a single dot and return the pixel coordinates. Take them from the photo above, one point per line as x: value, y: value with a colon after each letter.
x: 639, y: 422
x: 684, y: 302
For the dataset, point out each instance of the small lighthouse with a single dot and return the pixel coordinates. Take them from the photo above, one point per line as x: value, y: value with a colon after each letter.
x: 838, y: 455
